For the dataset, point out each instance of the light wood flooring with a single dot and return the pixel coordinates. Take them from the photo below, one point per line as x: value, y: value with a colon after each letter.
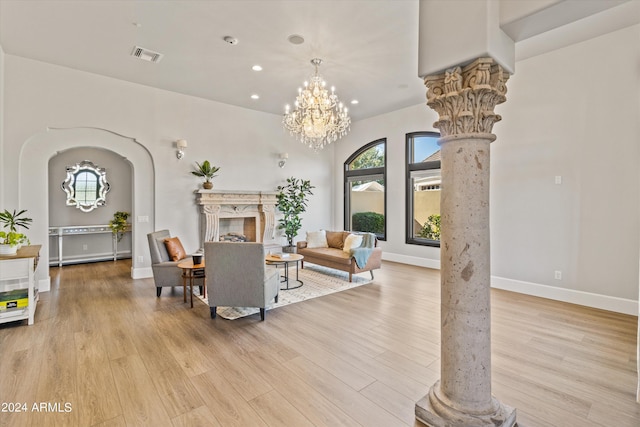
x: 118, y: 356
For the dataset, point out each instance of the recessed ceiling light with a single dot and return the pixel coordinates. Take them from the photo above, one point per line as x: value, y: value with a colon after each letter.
x: 255, y: 96
x: 231, y: 40
x: 256, y: 68
x: 295, y: 39
x: 355, y: 101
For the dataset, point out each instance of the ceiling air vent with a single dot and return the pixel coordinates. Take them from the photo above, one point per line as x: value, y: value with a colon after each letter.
x: 146, y: 54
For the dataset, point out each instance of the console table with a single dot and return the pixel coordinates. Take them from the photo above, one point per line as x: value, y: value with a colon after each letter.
x: 77, y: 230
x: 18, y: 292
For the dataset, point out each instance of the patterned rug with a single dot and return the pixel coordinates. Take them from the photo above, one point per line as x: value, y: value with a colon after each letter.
x: 318, y: 281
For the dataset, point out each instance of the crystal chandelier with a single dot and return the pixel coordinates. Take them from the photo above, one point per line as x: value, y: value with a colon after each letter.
x: 319, y: 118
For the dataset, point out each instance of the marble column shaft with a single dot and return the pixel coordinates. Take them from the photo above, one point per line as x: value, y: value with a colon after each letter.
x: 464, y: 98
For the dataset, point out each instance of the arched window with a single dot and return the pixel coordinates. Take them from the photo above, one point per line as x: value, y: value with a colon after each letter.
x: 423, y: 177
x: 365, y: 197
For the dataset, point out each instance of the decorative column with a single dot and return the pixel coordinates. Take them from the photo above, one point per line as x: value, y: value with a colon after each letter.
x: 464, y: 98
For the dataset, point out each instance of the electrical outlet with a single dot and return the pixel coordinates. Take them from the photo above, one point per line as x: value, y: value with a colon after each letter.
x: 84, y: 247
x: 558, y: 275
x: 140, y: 259
x: 558, y: 179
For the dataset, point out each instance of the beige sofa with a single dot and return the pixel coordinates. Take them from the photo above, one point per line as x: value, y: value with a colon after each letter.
x: 334, y: 257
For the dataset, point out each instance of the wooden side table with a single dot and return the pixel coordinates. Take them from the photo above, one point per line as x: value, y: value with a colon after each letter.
x: 191, y: 271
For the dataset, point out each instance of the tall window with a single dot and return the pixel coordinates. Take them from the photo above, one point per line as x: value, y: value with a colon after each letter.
x: 365, y: 199
x: 423, y: 189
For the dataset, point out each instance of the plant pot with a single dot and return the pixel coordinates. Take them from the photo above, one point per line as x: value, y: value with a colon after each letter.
x: 207, y: 185
x: 290, y: 249
x: 8, y: 250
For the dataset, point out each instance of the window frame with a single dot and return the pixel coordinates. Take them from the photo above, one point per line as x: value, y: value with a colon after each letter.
x: 368, y: 173
x: 411, y: 167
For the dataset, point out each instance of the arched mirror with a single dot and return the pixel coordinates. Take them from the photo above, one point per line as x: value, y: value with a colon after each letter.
x: 86, y: 186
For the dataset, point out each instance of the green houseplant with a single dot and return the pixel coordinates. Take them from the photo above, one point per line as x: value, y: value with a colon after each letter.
x: 292, y: 200
x: 118, y: 224
x: 206, y: 171
x: 11, y: 240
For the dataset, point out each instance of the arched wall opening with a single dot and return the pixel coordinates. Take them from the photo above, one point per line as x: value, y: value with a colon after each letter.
x: 33, y: 188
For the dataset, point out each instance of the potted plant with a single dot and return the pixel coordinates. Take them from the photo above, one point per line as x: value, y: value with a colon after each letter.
x: 292, y: 201
x: 11, y: 240
x: 206, y: 171
x: 118, y: 224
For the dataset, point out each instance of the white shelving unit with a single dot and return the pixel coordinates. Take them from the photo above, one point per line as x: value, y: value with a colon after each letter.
x: 17, y: 273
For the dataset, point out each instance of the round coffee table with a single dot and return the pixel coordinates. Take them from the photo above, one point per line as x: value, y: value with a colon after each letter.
x: 277, y: 259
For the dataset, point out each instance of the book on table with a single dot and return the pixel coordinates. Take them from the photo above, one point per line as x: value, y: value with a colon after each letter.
x: 281, y: 256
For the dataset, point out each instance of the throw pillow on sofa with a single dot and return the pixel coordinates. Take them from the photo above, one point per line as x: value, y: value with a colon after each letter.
x: 317, y: 239
x: 351, y: 242
x: 335, y: 239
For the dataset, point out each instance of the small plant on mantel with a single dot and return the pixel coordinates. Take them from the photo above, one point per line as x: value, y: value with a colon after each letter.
x: 292, y: 201
x: 11, y: 240
x: 206, y: 171
x: 118, y: 224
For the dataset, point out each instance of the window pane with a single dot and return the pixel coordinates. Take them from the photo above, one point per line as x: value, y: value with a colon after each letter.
x: 86, y: 188
x: 372, y: 158
x: 426, y: 204
x: 367, y: 206
x: 425, y: 149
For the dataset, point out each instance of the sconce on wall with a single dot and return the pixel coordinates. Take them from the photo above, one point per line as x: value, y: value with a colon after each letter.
x: 181, y: 144
x: 283, y: 159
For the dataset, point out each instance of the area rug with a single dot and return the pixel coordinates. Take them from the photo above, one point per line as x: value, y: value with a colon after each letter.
x: 318, y: 281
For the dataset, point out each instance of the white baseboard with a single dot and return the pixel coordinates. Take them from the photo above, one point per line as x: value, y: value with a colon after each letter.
x: 44, y: 285
x: 411, y: 260
x: 141, y: 273
x: 604, y: 302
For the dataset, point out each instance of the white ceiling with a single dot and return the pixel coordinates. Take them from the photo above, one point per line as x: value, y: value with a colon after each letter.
x: 369, y: 47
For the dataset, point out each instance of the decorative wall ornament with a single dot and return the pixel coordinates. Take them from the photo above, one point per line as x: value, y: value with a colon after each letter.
x: 465, y: 97
x: 86, y: 186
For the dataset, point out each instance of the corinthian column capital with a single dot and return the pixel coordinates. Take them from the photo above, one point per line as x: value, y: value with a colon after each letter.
x: 464, y: 98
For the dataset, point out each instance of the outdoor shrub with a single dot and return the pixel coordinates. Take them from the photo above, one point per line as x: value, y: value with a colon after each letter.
x: 431, y: 228
x: 371, y: 222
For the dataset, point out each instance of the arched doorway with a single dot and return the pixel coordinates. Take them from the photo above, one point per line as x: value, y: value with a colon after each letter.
x: 33, y: 188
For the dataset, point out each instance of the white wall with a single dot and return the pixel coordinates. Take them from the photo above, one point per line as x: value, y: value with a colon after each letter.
x: 246, y: 144
x: 573, y: 113
x: 1, y: 120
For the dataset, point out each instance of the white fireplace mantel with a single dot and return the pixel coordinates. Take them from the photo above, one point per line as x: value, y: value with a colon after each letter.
x: 219, y: 204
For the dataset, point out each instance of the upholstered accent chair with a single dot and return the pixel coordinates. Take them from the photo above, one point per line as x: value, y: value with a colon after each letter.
x: 165, y: 271
x: 237, y: 276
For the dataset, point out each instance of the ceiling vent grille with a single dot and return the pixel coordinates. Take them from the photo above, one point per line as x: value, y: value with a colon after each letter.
x: 146, y: 54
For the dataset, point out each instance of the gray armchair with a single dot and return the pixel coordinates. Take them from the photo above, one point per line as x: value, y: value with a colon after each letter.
x: 237, y: 276
x: 165, y: 271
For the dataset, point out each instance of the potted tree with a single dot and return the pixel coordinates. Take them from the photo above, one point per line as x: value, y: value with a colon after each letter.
x: 292, y: 201
x: 206, y: 171
x: 11, y: 240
